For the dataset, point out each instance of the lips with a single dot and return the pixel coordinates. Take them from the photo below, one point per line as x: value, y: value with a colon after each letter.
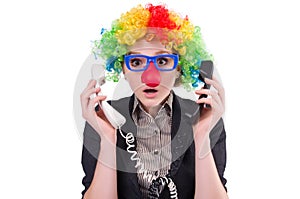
x: 150, y: 92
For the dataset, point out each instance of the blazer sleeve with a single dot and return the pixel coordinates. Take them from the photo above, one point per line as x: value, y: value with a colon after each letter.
x: 218, y: 145
x: 90, y: 151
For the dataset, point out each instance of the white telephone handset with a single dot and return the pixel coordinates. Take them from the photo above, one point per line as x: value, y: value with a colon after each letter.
x: 114, y: 117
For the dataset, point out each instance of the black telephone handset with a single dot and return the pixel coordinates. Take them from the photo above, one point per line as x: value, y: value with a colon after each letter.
x: 206, y: 71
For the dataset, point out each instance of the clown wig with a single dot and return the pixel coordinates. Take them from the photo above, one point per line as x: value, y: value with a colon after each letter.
x: 176, y: 33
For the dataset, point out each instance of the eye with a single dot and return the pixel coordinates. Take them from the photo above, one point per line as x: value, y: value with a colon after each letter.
x: 135, y: 62
x: 162, y: 61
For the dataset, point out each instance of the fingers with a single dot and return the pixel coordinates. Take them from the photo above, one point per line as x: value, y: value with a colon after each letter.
x: 85, y: 97
x: 92, y: 83
x: 88, y: 93
x: 205, y: 100
x: 94, y: 101
x: 217, y: 85
x: 216, y: 108
x: 87, y: 103
x: 214, y: 95
x: 207, y: 92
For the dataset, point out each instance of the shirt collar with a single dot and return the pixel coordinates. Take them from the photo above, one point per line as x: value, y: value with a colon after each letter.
x: 167, y: 105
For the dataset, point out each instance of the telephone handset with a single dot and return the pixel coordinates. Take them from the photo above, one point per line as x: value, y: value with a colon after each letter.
x: 206, y: 71
x: 113, y: 116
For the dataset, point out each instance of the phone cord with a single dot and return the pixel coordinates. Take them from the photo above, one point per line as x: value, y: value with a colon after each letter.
x: 157, y: 183
x: 129, y: 139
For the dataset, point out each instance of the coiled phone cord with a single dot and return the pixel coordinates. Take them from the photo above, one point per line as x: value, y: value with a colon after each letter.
x: 157, y: 183
x: 129, y: 139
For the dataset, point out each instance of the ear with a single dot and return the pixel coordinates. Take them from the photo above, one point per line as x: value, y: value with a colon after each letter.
x: 178, y: 75
x: 123, y: 70
x: 178, y: 68
x: 124, y: 73
x: 179, y: 72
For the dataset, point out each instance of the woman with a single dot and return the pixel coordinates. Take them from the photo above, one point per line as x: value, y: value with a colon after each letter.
x: 164, y: 149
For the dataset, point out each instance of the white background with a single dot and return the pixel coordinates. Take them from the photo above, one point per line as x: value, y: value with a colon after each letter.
x: 44, y: 43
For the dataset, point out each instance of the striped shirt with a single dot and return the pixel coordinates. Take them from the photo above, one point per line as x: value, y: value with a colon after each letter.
x: 153, y: 141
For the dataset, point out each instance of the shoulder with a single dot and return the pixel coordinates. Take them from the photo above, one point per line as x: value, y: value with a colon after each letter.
x: 187, y: 107
x: 123, y: 103
x: 184, y: 101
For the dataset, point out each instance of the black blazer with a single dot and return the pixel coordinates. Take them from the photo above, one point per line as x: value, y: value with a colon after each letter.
x: 182, y: 170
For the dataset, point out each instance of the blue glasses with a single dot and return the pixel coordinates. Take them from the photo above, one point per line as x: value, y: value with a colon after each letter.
x: 162, y: 62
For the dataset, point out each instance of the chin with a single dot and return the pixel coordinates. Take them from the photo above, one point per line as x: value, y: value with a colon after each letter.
x: 152, y: 99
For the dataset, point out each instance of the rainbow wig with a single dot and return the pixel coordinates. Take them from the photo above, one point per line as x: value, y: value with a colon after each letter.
x: 175, y: 33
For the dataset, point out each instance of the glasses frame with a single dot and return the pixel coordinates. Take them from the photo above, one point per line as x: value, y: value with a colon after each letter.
x: 127, y: 58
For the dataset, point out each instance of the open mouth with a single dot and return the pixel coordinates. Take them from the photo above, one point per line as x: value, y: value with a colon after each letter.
x: 150, y: 91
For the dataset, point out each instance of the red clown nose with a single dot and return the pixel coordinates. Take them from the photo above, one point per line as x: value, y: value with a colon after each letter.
x: 151, y: 76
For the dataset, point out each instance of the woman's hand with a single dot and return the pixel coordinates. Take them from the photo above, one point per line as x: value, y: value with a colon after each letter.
x: 96, y: 119
x: 209, y: 116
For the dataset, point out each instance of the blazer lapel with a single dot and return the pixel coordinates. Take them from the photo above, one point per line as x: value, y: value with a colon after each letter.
x: 184, y: 113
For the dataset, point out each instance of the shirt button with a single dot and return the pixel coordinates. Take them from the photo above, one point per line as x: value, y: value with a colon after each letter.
x: 156, y: 152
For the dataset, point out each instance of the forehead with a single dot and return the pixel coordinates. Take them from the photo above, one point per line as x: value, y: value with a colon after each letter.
x: 147, y: 45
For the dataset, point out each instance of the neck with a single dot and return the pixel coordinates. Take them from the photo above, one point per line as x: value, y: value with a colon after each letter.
x: 153, y: 110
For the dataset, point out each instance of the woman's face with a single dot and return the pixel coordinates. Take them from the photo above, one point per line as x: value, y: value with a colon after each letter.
x: 150, y: 86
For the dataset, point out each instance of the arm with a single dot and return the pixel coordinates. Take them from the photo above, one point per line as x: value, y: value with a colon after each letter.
x: 98, y: 157
x: 210, y: 164
x: 209, y: 169
x: 104, y: 183
x: 208, y: 184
